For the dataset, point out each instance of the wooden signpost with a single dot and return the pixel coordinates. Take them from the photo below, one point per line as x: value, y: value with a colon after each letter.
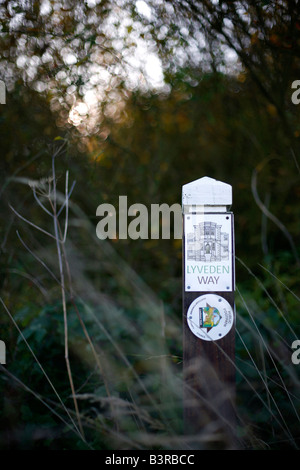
x: 208, y: 308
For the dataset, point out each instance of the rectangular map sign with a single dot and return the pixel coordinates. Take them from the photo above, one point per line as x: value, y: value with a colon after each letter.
x: 208, y: 252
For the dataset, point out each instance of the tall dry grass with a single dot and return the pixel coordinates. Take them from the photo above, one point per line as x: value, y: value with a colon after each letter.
x: 125, y: 344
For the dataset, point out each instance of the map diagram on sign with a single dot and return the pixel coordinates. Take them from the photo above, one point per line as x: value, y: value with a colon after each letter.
x: 208, y: 263
x: 207, y: 243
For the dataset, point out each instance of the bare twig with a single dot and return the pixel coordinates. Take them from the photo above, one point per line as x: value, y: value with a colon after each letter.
x: 271, y: 216
x: 66, y: 199
x: 40, y: 203
x: 31, y: 223
x: 63, y: 292
x: 37, y: 258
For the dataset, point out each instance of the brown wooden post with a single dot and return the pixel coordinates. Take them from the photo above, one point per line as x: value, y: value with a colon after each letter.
x: 208, y: 311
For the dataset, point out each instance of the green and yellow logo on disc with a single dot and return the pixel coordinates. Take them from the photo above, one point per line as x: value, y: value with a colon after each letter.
x: 210, y: 317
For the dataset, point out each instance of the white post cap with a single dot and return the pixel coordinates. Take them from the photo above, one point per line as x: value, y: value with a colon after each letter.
x: 208, y: 192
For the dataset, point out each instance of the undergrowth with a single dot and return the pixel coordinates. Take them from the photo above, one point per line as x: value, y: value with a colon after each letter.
x: 94, y: 355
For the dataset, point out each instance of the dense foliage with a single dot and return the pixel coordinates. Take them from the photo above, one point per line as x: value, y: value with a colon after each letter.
x: 93, y: 328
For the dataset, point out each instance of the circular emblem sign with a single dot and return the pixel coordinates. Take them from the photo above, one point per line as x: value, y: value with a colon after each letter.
x: 210, y: 317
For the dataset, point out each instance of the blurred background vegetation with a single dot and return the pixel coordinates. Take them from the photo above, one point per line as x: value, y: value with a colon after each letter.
x: 137, y: 99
